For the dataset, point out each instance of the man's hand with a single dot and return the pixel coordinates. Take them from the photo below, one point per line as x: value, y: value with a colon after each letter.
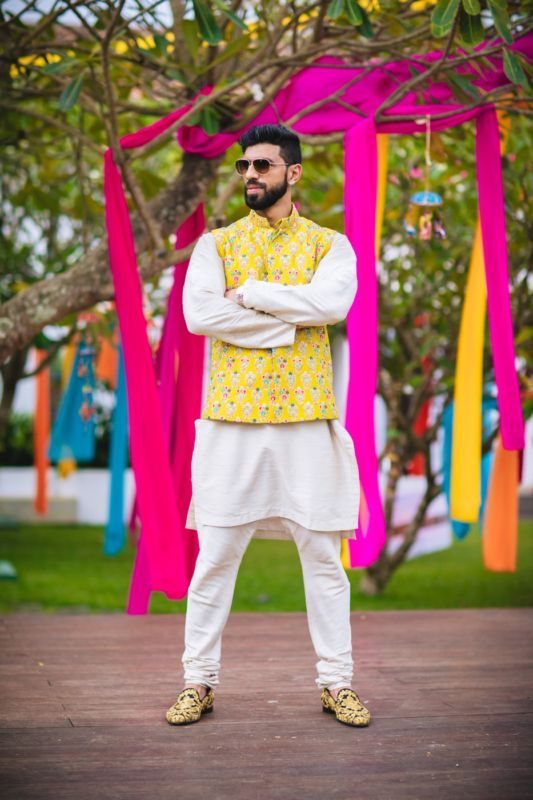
x: 231, y: 294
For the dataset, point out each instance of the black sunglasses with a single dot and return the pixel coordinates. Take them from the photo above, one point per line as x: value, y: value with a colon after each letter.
x: 261, y: 165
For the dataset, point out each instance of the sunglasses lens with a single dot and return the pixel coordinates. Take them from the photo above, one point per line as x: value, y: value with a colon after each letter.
x: 261, y: 165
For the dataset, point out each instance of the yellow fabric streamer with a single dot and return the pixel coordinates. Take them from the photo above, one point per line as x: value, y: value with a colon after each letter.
x: 467, y: 429
x: 383, y: 150
x: 67, y: 465
x: 465, y: 479
x: 67, y: 361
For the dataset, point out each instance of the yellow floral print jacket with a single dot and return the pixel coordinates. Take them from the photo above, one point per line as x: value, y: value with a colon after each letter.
x: 291, y: 380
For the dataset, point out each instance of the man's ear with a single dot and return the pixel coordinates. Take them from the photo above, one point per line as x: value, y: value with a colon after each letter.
x: 294, y: 174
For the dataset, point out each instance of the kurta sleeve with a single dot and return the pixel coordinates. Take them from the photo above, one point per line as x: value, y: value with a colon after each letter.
x: 324, y: 301
x: 208, y: 313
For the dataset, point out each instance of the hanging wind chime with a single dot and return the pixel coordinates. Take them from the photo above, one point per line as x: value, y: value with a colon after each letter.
x: 422, y: 219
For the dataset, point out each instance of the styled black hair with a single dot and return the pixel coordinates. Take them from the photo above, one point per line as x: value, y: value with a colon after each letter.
x: 289, y: 143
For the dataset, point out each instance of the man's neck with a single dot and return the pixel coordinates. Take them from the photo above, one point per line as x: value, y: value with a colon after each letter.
x: 279, y: 210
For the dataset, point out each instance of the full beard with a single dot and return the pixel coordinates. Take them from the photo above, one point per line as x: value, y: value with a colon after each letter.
x: 268, y: 198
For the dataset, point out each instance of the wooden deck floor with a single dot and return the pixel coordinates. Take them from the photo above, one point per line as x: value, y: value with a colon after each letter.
x: 83, y: 701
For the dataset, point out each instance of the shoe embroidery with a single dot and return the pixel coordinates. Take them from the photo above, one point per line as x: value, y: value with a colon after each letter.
x: 347, y: 708
x: 189, y: 707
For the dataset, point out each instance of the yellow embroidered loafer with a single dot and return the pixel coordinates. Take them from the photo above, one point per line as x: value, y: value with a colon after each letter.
x: 347, y: 707
x: 189, y: 707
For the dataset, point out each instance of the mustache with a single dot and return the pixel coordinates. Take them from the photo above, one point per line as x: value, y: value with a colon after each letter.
x: 257, y: 185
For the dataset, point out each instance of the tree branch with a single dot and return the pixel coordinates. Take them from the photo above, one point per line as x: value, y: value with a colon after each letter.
x: 89, y: 281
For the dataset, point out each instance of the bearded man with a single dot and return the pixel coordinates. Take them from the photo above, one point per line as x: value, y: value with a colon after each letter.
x: 271, y: 458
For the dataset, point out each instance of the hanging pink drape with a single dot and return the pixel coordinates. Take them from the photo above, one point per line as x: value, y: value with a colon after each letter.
x: 179, y: 370
x: 162, y: 464
x: 360, y: 193
x: 360, y: 204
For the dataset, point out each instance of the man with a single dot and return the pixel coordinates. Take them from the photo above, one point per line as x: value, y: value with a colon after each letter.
x: 271, y: 458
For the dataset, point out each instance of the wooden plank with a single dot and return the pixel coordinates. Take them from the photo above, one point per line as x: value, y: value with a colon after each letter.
x: 83, y: 702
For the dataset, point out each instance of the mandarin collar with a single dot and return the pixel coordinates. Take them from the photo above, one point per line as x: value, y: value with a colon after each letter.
x: 285, y: 223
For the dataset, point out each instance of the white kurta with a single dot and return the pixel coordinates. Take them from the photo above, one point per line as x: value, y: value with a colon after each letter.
x: 303, y: 471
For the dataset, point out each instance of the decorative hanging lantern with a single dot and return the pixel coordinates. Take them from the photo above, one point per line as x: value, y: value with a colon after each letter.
x: 421, y: 218
x: 85, y: 373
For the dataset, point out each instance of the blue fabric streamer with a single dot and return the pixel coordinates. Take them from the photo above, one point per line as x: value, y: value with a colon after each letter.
x: 115, y: 531
x: 71, y: 436
x: 489, y: 404
x: 460, y: 529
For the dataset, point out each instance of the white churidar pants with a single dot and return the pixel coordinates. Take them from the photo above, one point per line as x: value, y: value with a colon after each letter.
x: 327, y: 595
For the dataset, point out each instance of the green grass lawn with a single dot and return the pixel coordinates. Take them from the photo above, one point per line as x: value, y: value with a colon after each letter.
x: 63, y: 567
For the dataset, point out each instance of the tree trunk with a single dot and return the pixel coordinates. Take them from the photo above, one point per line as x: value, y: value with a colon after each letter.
x: 375, y: 579
x: 377, y: 575
x: 89, y: 281
x: 11, y: 371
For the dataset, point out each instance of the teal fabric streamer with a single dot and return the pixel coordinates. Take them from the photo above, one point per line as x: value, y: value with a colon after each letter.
x: 490, y: 407
x: 460, y: 529
x: 489, y: 404
x: 115, y: 531
x: 72, y: 436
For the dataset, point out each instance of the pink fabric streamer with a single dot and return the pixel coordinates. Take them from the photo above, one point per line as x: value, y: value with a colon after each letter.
x: 360, y: 205
x: 179, y: 370
x: 492, y: 217
x: 360, y: 221
x: 149, y: 452
x: 161, y: 429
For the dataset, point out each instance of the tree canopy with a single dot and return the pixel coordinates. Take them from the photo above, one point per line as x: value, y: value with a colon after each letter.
x: 77, y: 76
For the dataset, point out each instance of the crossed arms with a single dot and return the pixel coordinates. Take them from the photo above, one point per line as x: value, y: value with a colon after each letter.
x: 270, y: 312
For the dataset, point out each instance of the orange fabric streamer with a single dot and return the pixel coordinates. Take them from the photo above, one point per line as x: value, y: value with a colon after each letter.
x: 500, y: 524
x: 106, y: 365
x: 41, y: 433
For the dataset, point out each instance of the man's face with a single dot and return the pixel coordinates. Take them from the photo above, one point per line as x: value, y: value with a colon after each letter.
x: 261, y: 191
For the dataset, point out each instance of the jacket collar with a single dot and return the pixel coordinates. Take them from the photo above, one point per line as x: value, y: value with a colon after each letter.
x: 255, y: 220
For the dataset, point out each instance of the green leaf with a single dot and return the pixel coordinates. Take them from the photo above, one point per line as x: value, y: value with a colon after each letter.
x: 463, y: 83
x: 42, y: 341
x: 229, y: 13
x: 353, y: 12
x: 470, y: 28
x: 442, y: 16
x: 513, y: 69
x: 59, y: 67
x: 500, y: 15
x: 524, y: 335
x: 366, y: 28
x: 472, y: 7
x: 209, y: 30
x: 335, y: 9
x: 189, y: 28
x: 70, y: 93
x: 161, y: 44
x: 176, y: 75
x: 194, y: 119
x: 233, y: 49
x: 209, y: 120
